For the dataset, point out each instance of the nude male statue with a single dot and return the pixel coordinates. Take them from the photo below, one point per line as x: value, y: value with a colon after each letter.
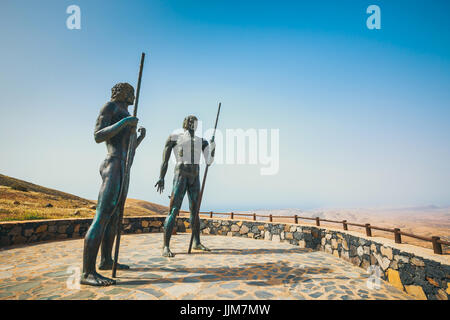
x: 187, y: 148
x: 113, y: 127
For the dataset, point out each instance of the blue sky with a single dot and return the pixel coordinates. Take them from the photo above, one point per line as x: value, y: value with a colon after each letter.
x: 363, y: 114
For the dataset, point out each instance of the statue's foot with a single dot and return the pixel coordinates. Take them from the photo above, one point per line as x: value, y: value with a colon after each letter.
x: 200, y: 247
x: 109, y: 264
x: 167, y: 252
x: 96, y: 279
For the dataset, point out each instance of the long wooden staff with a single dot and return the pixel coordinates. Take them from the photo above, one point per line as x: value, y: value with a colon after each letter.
x: 126, y: 176
x: 197, y: 211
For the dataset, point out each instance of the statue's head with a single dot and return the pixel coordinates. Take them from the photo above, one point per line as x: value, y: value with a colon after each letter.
x: 123, y: 92
x: 190, y: 123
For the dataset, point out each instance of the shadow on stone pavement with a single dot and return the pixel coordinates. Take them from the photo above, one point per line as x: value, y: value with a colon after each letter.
x: 269, y: 273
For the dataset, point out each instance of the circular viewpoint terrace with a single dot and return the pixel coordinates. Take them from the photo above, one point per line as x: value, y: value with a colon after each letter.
x: 249, y: 260
x: 236, y: 268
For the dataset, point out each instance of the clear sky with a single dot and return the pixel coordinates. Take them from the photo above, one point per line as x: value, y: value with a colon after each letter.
x: 363, y: 114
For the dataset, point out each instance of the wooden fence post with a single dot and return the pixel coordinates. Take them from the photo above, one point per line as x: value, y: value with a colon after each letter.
x: 317, y: 221
x: 397, y: 235
x: 210, y: 214
x: 254, y: 216
x: 368, y: 230
x: 232, y: 215
x: 270, y: 218
x: 296, y: 219
x: 345, y: 224
x: 437, y: 247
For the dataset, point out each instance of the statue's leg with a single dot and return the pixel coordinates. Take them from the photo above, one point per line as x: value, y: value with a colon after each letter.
x: 109, y: 192
x: 193, y: 190
x: 179, y: 189
x: 106, y: 260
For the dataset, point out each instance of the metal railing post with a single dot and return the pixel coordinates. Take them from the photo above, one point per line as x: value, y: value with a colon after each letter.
x: 437, y: 247
x: 368, y: 230
x: 345, y: 224
x: 397, y: 235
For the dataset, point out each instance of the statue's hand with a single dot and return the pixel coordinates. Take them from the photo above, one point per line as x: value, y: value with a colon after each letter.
x: 160, y: 185
x: 212, y: 146
x: 142, y: 132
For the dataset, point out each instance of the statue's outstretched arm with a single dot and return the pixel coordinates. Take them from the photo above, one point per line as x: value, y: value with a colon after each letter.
x: 170, y: 143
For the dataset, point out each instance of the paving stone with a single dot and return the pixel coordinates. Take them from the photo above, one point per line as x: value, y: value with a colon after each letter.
x: 154, y: 292
x: 236, y: 268
x: 239, y: 292
x: 143, y: 296
x: 81, y: 295
x: 229, y: 285
x: 315, y: 295
x: 263, y: 294
x: 116, y: 291
x: 164, y: 284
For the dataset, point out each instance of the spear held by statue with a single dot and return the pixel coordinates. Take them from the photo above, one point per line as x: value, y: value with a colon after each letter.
x: 126, y: 176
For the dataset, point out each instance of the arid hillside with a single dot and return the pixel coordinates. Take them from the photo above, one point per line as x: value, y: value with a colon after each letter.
x: 21, y: 200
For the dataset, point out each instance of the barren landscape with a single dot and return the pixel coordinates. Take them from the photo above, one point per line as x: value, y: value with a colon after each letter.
x: 21, y: 200
x: 425, y: 221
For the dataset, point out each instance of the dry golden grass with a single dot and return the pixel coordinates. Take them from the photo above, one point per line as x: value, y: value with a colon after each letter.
x: 134, y: 207
x: 31, y: 205
x: 17, y: 205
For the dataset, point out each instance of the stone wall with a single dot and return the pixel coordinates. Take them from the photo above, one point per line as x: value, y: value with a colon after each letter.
x: 23, y: 232
x: 413, y: 269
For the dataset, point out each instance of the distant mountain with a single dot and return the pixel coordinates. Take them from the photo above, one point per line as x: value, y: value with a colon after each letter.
x: 421, y: 208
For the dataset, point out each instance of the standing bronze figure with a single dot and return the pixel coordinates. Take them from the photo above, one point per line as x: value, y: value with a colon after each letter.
x: 187, y: 148
x: 115, y: 127
x: 132, y: 144
x: 205, y: 174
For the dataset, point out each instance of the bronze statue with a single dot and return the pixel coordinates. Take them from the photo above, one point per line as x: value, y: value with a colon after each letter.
x: 187, y: 148
x: 114, y: 127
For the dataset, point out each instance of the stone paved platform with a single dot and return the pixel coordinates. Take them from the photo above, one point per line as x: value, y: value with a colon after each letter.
x: 237, y: 268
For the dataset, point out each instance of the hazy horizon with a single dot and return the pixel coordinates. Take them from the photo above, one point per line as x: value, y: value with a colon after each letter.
x: 249, y: 208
